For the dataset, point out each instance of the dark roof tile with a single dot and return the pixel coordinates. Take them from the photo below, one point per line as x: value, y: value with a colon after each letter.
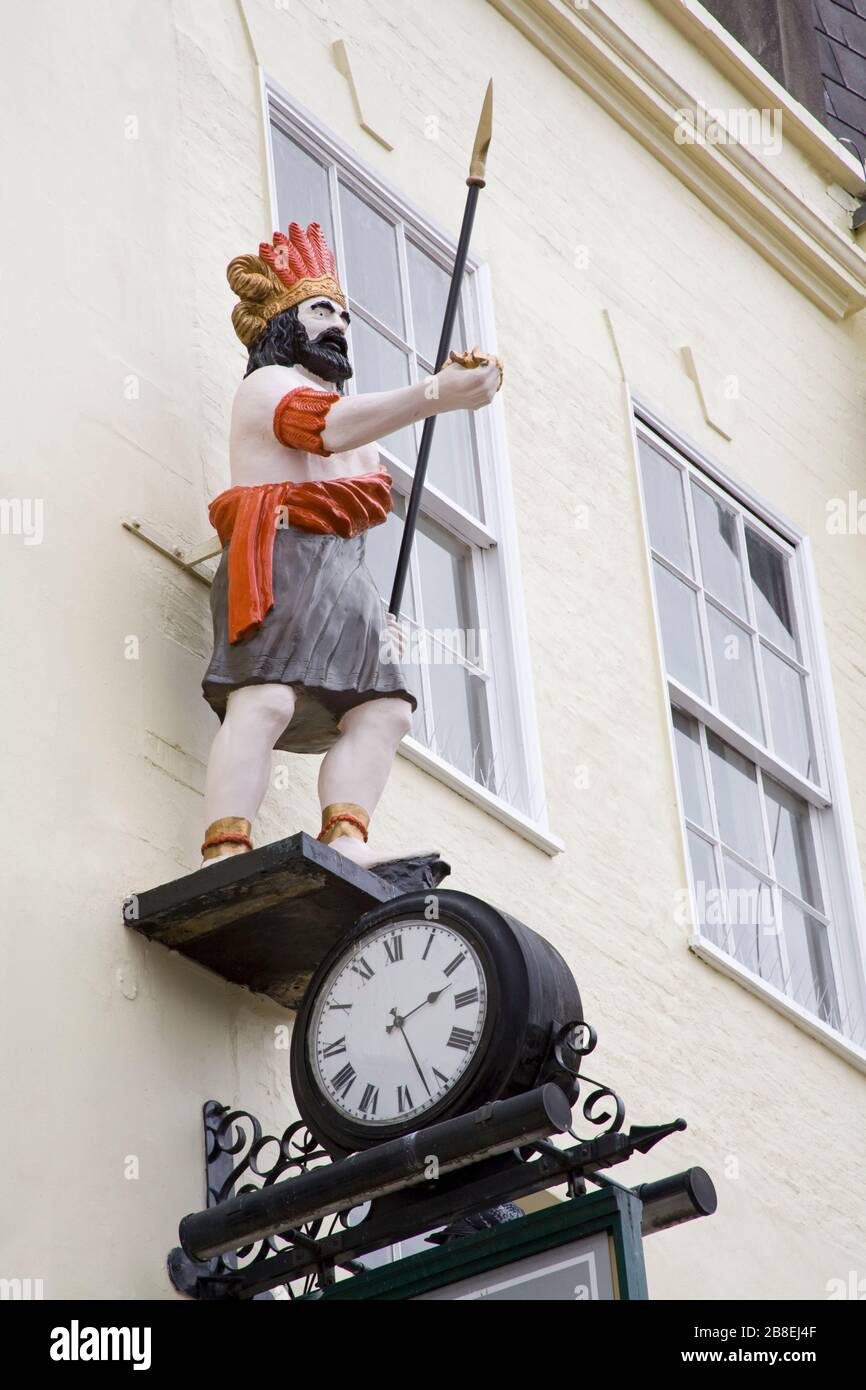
x: 830, y: 17
x: 829, y: 62
x: 854, y: 33
x: 853, y: 69
x: 847, y: 105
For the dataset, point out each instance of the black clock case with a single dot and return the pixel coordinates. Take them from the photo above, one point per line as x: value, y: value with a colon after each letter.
x: 533, y: 1001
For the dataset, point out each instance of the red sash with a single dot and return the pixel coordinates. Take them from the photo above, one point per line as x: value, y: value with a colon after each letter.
x: 246, y: 519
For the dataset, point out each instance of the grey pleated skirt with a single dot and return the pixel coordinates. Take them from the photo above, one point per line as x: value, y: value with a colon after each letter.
x: 322, y: 637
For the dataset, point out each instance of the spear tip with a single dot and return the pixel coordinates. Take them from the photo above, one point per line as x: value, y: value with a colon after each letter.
x: 483, y: 137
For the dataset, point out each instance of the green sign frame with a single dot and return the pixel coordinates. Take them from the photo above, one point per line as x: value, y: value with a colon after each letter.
x: 613, y: 1210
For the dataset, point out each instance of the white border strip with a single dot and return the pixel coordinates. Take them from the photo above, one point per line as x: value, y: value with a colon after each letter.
x: 822, y: 1032
x: 473, y: 791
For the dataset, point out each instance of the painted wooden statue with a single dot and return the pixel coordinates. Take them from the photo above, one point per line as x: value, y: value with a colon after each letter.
x: 302, y: 660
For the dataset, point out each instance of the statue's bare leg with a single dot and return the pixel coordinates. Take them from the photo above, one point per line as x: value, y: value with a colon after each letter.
x: 239, y: 766
x: 356, y: 768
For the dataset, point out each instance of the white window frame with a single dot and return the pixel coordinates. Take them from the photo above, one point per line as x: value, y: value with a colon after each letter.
x: 513, y: 719
x: 828, y: 796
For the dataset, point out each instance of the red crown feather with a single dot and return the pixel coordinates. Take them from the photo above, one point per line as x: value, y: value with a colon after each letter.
x: 296, y: 267
x: 302, y: 255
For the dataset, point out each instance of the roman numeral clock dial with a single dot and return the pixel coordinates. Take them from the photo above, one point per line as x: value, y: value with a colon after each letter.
x: 397, y: 1022
x: 408, y: 1023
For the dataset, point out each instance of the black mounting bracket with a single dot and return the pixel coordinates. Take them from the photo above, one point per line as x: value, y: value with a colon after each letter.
x: 250, y: 1247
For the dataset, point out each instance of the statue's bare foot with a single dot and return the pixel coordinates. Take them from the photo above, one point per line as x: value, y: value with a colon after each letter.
x: 366, y: 856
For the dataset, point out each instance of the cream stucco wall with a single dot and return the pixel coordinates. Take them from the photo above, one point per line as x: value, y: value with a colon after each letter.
x: 114, y: 287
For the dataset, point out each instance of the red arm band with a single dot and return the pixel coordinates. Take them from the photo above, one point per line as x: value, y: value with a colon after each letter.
x: 300, y: 418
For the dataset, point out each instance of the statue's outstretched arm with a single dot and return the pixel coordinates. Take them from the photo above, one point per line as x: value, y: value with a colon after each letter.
x: 356, y: 420
x: 323, y: 422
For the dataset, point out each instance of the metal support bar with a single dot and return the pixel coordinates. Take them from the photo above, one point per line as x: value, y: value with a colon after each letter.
x: 410, y: 1213
x: 185, y: 559
x: 669, y: 1201
x: 414, y: 1210
x: 389, y: 1167
x: 681, y: 1197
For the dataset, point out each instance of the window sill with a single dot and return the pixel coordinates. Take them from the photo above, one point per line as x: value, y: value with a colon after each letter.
x: 530, y: 830
x: 837, y: 1042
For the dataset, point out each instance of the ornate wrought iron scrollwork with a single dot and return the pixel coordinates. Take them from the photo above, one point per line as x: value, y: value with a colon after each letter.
x: 574, y: 1041
x: 240, y: 1158
x: 607, y: 1122
x: 232, y: 1132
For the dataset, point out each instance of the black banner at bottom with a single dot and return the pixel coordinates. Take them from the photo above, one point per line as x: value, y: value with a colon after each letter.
x: 82, y: 1338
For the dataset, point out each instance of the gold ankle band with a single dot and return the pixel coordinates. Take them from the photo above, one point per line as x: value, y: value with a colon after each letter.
x: 230, y: 835
x: 343, y: 818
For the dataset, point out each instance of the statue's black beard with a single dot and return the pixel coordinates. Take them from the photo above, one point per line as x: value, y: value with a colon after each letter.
x: 325, y: 356
x: 286, y: 343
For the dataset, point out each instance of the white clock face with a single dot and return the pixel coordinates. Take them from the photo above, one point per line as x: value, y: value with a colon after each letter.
x: 397, y: 1022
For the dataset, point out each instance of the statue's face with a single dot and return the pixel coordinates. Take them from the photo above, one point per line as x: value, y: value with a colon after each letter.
x: 326, y: 351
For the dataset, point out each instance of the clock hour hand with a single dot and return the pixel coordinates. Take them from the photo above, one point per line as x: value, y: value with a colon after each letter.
x: 399, y: 1019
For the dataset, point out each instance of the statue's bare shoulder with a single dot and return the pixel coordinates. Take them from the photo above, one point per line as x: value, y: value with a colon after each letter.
x: 260, y: 393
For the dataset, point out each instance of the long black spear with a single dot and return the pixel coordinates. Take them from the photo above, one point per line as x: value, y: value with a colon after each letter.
x: 475, y: 182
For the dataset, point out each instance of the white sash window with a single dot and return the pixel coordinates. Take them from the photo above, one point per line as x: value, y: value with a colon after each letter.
x: 761, y: 785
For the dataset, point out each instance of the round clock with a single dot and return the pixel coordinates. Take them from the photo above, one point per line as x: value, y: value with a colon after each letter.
x: 432, y: 1005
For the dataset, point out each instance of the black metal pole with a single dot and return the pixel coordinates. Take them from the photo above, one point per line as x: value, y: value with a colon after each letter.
x: 475, y: 182
x: 408, y: 537
x: 389, y: 1167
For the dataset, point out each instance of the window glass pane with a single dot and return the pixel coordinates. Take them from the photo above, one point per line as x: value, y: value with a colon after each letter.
x: 447, y: 595
x: 382, y: 548
x: 380, y: 366
x: 738, y: 808
x: 753, y: 932
x: 453, y: 466
x: 770, y: 586
x: 461, y: 731
x: 810, y: 970
x: 709, y: 907
x: 372, y: 268
x: 719, y: 547
x: 681, y: 636
x: 419, y: 722
x: 302, y: 186
x: 791, y: 842
x: 789, y: 720
x: 428, y: 287
x: 734, y: 665
x: 691, y: 768
x: 666, y: 511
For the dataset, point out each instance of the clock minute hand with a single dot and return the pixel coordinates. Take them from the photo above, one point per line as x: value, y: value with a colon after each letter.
x: 400, y: 1019
x: 399, y: 1025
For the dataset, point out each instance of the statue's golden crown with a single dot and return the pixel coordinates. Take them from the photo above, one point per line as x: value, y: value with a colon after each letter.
x: 298, y: 266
